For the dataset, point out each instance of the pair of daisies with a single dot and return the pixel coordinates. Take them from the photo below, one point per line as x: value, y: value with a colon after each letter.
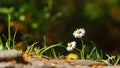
x: 77, y: 34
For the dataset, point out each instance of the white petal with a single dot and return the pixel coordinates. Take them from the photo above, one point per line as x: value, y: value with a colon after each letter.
x: 76, y: 35
x: 69, y: 49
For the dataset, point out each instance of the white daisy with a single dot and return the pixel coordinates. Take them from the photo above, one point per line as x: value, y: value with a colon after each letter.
x: 79, y: 33
x: 71, y: 46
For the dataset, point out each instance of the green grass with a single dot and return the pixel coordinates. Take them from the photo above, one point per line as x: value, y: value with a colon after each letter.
x: 93, y: 54
x: 9, y: 33
x: 8, y: 40
x: 32, y: 48
x: 112, y: 59
x: 1, y: 45
x: 42, y: 51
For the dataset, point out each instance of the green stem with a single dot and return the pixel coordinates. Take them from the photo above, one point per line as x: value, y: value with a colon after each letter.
x: 83, y: 49
x: 82, y: 42
x: 82, y: 52
x: 78, y: 49
x: 9, y: 30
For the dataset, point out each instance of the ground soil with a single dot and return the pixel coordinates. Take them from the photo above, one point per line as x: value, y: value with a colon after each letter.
x: 12, y: 59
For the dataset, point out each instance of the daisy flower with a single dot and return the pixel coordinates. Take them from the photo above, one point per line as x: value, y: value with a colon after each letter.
x: 79, y: 33
x: 71, y: 46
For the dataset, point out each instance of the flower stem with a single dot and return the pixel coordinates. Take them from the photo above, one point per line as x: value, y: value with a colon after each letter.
x: 78, y: 49
x: 83, y: 52
x: 82, y: 42
x: 83, y: 49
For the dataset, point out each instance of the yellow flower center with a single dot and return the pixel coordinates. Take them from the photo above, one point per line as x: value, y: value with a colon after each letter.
x: 69, y: 44
x: 78, y: 31
x: 72, y: 56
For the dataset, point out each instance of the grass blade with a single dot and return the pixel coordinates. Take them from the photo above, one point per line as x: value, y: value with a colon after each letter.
x: 31, y: 47
x: 9, y: 37
x: 53, y: 52
x: 49, y: 47
x: 91, y: 53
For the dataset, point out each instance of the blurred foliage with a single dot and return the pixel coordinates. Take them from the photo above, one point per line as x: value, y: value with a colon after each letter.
x: 93, y: 11
x: 56, y: 19
x: 31, y: 16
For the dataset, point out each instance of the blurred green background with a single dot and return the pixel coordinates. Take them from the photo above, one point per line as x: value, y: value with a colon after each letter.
x: 57, y: 19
